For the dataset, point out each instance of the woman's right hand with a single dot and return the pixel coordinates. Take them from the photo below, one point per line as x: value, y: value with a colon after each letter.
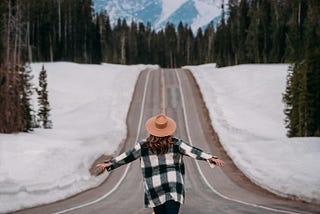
x: 216, y: 161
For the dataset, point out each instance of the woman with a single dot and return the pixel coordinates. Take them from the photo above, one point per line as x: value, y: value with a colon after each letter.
x: 161, y: 158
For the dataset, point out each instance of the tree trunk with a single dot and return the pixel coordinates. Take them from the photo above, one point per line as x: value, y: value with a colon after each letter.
x: 59, y: 17
x: 7, y: 63
x: 123, y: 50
x: 299, y: 13
x: 188, y: 50
x: 51, y: 48
x: 28, y: 42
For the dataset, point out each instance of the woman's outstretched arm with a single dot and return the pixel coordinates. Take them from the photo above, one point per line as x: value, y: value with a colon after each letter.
x: 197, y: 153
x: 124, y: 158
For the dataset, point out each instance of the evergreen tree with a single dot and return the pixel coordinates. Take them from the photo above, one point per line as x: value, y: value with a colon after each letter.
x: 189, y: 46
x: 26, y: 93
x: 133, y: 45
x: 278, y: 36
x: 223, y: 50
x: 13, y: 87
x: 181, y: 38
x: 289, y: 98
x: 252, y: 43
x: 43, y: 100
x: 233, y: 22
x: 312, y: 56
x: 96, y: 43
x: 244, y: 21
x: 142, y: 43
x: 302, y: 95
x: 297, y: 11
x: 296, y: 101
x: 171, y: 45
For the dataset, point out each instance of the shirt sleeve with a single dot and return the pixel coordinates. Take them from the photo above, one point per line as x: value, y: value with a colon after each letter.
x: 194, y: 152
x: 126, y: 157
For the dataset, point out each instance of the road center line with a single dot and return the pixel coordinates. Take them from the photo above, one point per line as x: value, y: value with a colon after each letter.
x: 128, y: 166
x: 200, y: 171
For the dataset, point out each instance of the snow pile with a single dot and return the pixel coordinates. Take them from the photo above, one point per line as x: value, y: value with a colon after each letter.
x: 89, y: 107
x: 246, y: 108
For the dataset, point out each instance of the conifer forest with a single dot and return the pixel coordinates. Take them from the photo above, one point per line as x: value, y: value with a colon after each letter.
x: 252, y: 31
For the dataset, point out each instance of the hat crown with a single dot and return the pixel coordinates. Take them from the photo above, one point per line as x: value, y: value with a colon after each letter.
x: 161, y: 125
x: 161, y: 121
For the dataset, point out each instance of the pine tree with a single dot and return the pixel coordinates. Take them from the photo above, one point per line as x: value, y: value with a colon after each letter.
x: 302, y: 96
x: 133, y: 46
x: 312, y: 56
x: 297, y: 11
x: 13, y: 97
x: 244, y: 21
x: 234, y: 23
x: 43, y: 100
x: 289, y: 98
x: 278, y: 36
x: 296, y: 102
x: 26, y: 93
x: 171, y: 45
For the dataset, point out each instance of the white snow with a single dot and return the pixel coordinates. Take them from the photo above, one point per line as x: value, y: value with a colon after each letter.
x: 207, y: 12
x: 89, y: 107
x: 246, y: 109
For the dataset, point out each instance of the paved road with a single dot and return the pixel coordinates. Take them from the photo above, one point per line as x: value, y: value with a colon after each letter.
x: 218, y: 190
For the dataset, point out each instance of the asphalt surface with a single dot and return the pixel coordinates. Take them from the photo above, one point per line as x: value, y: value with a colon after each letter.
x: 218, y: 190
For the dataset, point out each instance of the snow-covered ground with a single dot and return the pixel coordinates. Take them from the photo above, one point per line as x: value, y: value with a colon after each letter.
x: 246, y: 108
x: 89, y: 108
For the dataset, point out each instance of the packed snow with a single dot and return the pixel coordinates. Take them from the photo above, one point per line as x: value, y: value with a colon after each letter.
x: 246, y: 109
x: 89, y: 107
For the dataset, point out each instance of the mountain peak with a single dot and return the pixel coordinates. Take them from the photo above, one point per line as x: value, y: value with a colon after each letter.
x: 194, y: 13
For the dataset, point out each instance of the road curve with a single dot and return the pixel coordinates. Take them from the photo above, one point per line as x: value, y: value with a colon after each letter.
x: 218, y: 190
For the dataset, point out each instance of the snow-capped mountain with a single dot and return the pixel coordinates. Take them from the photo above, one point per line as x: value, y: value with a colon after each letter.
x: 195, y: 13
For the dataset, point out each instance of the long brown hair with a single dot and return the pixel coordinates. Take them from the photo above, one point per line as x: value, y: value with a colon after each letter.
x: 159, y: 145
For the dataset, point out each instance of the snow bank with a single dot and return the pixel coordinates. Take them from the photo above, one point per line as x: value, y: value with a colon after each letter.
x: 246, y: 108
x: 89, y: 108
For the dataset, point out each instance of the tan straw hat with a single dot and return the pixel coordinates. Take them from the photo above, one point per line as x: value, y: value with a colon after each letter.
x: 161, y: 125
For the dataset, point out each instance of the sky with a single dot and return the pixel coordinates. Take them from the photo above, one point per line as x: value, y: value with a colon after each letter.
x: 89, y: 107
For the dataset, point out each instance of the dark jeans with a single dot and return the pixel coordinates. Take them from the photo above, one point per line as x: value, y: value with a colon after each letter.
x: 170, y: 207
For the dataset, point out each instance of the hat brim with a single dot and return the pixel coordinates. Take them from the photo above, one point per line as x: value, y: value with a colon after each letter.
x: 169, y: 130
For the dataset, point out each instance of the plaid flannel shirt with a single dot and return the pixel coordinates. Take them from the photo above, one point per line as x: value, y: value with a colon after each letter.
x: 163, y: 175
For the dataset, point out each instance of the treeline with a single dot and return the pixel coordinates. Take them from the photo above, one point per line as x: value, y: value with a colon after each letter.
x: 136, y: 43
x: 273, y: 31
x: 68, y: 30
x: 302, y: 96
x: 15, y: 85
x: 16, y: 88
x: 263, y: 31
x: 256, y: 31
